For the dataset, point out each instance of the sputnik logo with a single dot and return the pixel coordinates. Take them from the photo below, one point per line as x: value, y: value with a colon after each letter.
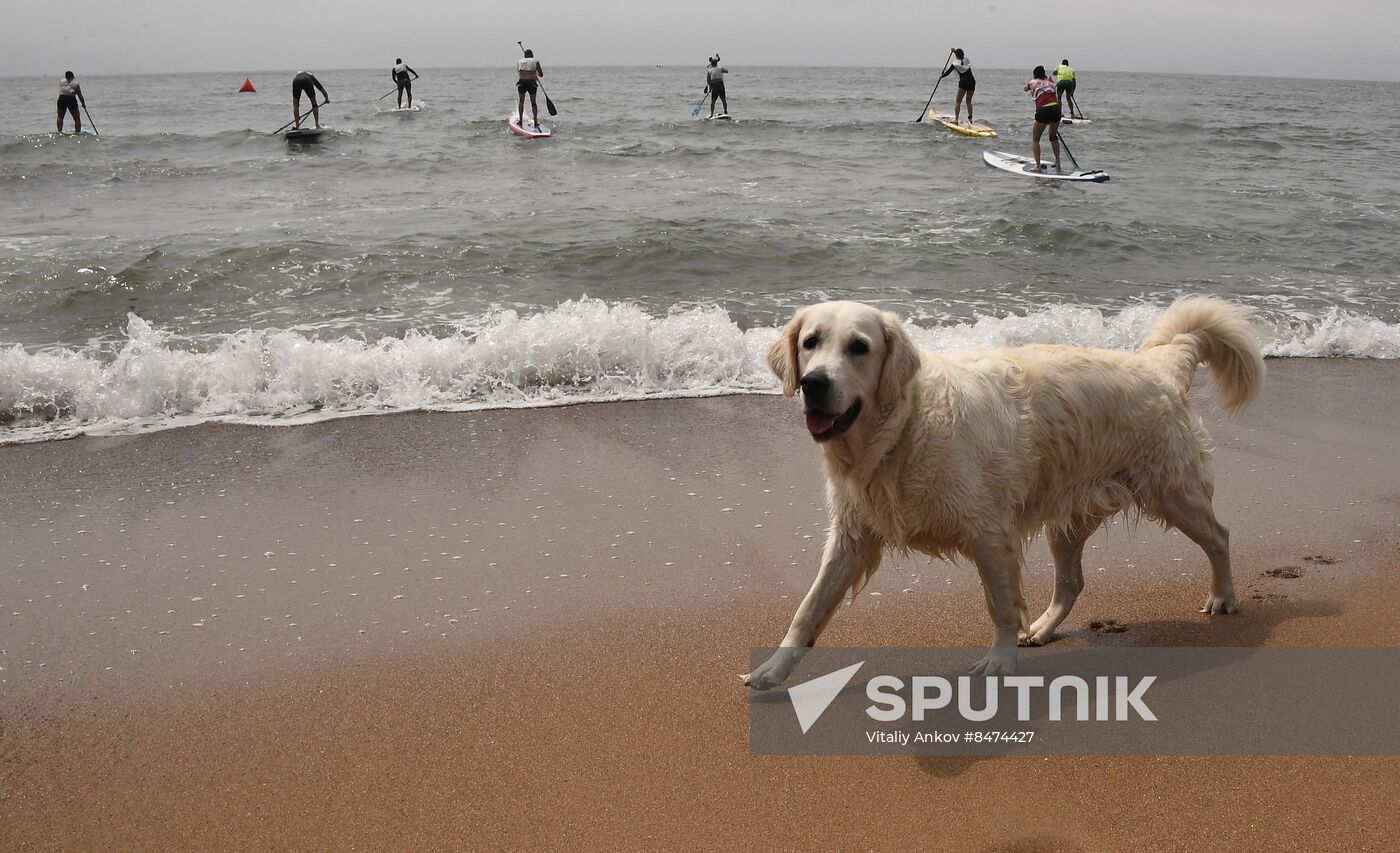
x: 810, y: 699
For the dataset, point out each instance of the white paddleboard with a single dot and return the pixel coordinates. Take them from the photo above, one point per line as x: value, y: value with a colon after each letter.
x: 306, y: 134
x: 1075, y: 121
x: 1018, y: 165
x: 721, y: 117
x: 527, y: 128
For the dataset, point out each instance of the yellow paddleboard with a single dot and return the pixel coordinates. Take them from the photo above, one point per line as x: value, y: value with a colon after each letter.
x: 981, y: 131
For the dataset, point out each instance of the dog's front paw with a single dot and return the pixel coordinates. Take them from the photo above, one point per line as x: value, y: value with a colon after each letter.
x: 773, y: 671
x: 1033, y: 638
x: 1221, y: 604
x: 998, y: 661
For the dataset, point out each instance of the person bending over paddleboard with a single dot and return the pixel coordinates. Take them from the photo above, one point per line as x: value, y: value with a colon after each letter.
x: 70, y: 94
x: 1064, y: 87
x: 530, y: 73
x: 714, y: 84
x: 306, y: 82
x: 1047, y: 114
x: 967, y: 84
x: 400, y: 74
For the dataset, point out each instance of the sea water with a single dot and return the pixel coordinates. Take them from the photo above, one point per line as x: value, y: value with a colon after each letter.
x: 188, y: 265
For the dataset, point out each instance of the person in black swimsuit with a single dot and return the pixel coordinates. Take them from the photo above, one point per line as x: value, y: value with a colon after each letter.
x: 400, y: 73
x: 967, y: 84
x: 307, y: 82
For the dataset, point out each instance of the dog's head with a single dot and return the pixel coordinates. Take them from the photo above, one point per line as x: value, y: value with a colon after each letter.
x: 848, y: 359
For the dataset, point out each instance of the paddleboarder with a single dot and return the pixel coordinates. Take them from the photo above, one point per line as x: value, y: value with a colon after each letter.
x: 967, y: 84
x: 714, y: 85
x: 400, y: 73
x: 530, y: 73
x: 1064, y: 87
x: 1047, y: 114
x: 70, y: 95
x: 306, y: 82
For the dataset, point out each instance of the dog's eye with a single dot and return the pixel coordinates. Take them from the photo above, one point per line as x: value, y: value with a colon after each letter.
x: 811, y: 341
x: 858, y: 347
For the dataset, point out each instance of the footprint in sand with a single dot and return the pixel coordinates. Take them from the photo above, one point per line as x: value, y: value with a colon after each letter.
x: 1320, y: 559
x: 1268, y: 597
x: 1284, y: 572
x: 1108, y: 626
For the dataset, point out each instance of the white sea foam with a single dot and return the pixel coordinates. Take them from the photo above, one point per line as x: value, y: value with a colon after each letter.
x: 585, y: 350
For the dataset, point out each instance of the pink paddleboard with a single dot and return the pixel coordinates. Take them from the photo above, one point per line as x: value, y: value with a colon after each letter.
x: 528, y: 129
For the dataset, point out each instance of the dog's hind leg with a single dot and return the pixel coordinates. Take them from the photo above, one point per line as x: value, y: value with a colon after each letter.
x: 847, y: 559
x: 1190, y: 512
x: 998, y: 560
x: 1067, y: 547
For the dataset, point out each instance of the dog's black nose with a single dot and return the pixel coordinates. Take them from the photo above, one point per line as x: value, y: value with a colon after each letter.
x: 815, y: 384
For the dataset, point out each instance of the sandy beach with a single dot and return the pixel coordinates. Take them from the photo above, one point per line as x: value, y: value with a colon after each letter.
x: 524, y: 629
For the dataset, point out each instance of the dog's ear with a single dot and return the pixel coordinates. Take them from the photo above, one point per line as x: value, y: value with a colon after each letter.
x: 782, y: 354
x: 901, y: 359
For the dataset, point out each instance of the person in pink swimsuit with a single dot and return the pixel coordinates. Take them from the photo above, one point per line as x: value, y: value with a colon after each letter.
x: 1047, y: 114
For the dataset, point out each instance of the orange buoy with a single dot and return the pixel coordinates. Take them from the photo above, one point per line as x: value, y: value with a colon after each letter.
x: 247, y: 85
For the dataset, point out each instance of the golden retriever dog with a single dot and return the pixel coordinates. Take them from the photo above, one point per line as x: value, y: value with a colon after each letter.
x: 973, y: 453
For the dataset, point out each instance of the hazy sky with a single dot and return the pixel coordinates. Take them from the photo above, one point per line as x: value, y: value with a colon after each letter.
x: 1341, y: 39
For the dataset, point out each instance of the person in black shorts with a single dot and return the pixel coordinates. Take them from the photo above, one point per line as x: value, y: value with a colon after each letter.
x: 1063, y: 75
x: 1047, y: 114
x: 714, y: 84
x: 307, y: 82
x: 967, y: 84
x: 70, y: 95
x: 530, y: 71
x: 400, y: 73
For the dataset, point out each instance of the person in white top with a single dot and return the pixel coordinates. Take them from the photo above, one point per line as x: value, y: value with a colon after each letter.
x: 530, y: 73
x: 967, y: 84
x: 400, y: 74
x: 714, y: 84
x: 70, y: 95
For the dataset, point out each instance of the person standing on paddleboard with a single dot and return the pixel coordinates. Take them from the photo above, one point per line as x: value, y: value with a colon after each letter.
x: 1047, y: 114
x: 530, y: 73
x: 306, y: 82
x: 714, y: 84
x: 70, y: 95
x: 1064, y: 87
x: 400, y: 74
x: 967, y: 84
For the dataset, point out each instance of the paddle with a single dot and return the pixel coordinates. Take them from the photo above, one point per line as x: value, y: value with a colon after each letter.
x: 386, y: 94
x: 91, y: 124
x: 303, y: 116
x: 935, y: 88
x: 548, y: 104
x: 695, y: 113
x: 1061, y: 137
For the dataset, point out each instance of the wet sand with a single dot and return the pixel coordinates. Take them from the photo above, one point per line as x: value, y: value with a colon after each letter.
x: 525, y: 628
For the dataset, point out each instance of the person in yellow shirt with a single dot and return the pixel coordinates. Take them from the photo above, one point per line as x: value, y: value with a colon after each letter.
x: 1064, y: 88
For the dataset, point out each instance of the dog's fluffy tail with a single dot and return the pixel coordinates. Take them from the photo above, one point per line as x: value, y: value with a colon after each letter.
x: 1203, y: 329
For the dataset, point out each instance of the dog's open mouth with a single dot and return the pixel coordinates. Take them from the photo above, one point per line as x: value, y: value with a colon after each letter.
x: 825, y: 427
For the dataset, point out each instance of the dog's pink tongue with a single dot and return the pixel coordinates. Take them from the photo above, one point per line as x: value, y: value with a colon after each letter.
x: 818, y: 424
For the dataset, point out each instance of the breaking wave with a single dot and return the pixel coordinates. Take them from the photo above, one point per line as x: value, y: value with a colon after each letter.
x: 585, y: 350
